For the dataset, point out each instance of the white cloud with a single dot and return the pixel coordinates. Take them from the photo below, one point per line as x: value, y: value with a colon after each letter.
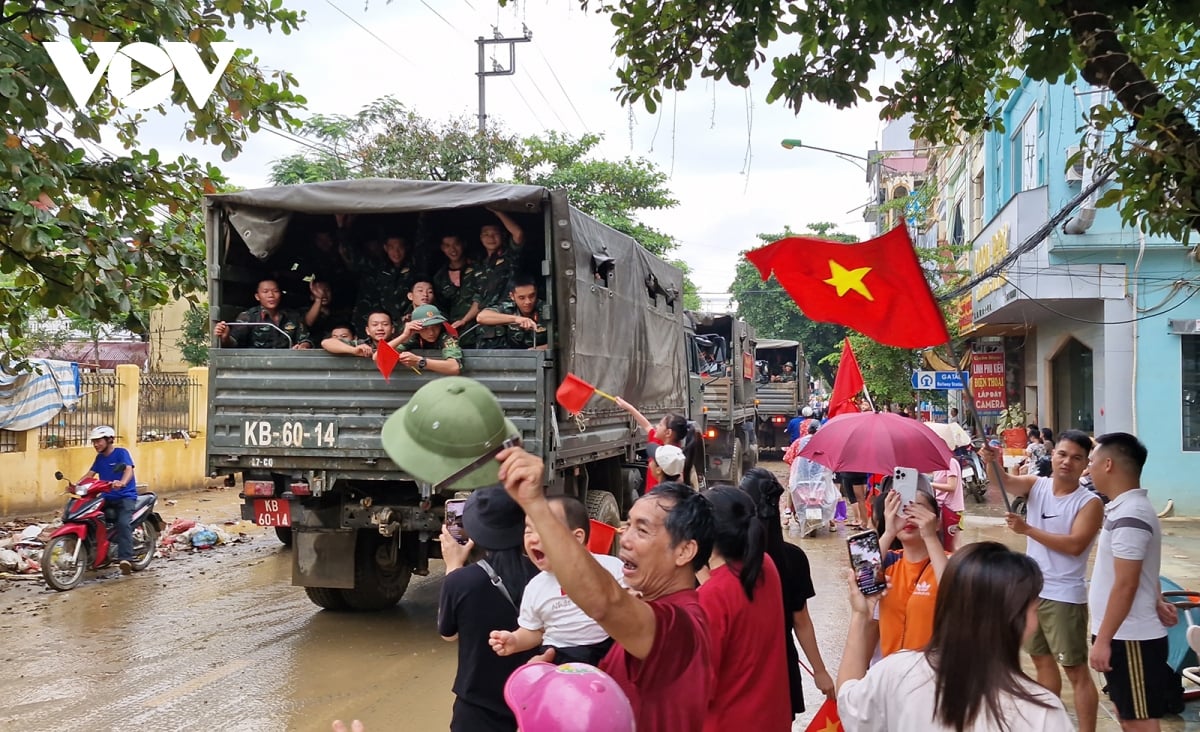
x: 701, y: 136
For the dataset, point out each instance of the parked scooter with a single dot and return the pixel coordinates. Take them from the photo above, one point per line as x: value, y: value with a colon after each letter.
x: 87, y: 538
x: 974, y: 475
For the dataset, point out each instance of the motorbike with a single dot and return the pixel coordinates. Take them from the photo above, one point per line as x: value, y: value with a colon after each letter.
x: 974, y: 475
x: 87, y: 538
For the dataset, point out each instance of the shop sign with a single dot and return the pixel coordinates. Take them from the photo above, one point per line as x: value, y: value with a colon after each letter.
x: 987, y: 382
x: 985, y: 256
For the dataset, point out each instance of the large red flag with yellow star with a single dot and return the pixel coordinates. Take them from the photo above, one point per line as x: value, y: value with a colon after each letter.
x: 876, y: 287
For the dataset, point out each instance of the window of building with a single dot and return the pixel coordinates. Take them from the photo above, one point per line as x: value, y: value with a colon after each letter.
x: 957, y: 234
x: 1024, y: 154
x: 1190, y: 362
x: 977, y: 191
x: 1071, y: 371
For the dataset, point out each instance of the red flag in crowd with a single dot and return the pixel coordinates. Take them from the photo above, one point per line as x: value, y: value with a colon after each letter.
x: 386, y: 359
x: 827, y: 719
x: 876, y: 287
x: 847, y: 384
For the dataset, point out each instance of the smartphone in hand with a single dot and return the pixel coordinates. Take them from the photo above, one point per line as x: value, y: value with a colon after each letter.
x: 867, y: 562
x: 454, y: 519
x: 904, y: 482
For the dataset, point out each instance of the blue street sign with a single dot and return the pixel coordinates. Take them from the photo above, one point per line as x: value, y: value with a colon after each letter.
x: 939, y: 380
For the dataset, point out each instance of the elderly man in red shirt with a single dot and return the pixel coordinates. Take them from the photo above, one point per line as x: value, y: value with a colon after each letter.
x: 660, y: 656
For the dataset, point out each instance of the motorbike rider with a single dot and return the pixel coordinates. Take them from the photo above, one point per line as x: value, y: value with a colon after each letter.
x: 122, y: 496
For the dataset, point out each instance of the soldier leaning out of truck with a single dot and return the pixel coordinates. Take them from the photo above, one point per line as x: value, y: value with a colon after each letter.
x: 425, y: 331
x: 265, y: 336
x: 516, y: 323
x: 379, y: 328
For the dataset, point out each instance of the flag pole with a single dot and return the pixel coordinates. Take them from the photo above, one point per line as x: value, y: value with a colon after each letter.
x: 997, y: 462
x: 867, y: 394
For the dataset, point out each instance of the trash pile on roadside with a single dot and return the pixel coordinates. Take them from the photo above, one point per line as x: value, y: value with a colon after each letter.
x: 186, y: 535
x: 21, y: 548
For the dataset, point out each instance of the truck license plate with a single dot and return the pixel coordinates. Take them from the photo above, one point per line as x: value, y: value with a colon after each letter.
x: 272, y: 512
x: 289, y: 433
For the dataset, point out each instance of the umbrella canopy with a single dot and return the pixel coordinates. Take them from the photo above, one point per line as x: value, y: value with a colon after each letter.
x: 952, y: 432
x: 876, y: 442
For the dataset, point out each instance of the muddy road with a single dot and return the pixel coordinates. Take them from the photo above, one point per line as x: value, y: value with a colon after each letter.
x: 220, y: 640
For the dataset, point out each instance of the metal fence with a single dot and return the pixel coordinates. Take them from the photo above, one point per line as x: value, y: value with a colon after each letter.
x: 163, y: 404
x: 97, y: 406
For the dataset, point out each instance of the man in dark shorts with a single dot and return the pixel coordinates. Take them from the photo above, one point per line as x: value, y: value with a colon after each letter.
x: 854, y: 490
x: 1129, y: 616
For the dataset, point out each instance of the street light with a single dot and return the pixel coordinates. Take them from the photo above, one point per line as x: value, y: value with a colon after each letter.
x: 791, y: 143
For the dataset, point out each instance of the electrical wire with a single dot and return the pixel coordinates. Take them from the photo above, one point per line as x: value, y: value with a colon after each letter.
x: 370, y: 32
x: 1061, y: 314
x: 558, y: 81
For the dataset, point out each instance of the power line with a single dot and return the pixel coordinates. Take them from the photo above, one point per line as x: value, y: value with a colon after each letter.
x: 370, y: 32
x: 563, y: 88
x: 528, y: 106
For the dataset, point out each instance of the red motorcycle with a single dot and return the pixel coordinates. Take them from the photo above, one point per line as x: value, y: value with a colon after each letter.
x: 87, y: 538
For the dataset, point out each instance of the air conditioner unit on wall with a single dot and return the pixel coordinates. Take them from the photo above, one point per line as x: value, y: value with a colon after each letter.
x: 1074, y: 173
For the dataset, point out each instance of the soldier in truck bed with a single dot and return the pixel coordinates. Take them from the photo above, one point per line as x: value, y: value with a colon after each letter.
x: 268, y: 312
x: 518, y: 322
x: 501, y: 261
x: 457, y: 287
x: 426, y: 330
x: 382, y: 284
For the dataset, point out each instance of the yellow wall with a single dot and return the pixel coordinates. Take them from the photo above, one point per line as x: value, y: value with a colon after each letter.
x: 166, y: 327
x: 27, y: 483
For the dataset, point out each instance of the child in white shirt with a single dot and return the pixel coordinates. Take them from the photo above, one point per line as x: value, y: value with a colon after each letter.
x: 548, y: 618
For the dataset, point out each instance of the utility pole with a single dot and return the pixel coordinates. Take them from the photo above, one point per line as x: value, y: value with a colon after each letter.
x: 497, y: 70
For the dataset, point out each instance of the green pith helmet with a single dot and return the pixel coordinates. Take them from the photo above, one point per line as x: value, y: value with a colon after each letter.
x: 428, y: 315
x: 447, y: 425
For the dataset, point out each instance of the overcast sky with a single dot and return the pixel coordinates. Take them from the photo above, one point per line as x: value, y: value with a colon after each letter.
x: 720, y: 144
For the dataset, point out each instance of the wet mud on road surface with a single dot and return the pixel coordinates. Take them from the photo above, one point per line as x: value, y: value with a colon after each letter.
x: 220, y: 640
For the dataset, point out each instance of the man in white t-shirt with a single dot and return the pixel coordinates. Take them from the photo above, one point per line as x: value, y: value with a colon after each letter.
x: 549, y: 618
x: 1060, y: 528
x: 1129, y: 616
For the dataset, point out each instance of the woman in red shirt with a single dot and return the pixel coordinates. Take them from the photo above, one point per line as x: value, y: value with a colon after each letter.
x: 672, y: 429
x: 743, y: 601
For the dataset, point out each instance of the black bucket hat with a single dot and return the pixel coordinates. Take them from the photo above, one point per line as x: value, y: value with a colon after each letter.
x: 493, y: 520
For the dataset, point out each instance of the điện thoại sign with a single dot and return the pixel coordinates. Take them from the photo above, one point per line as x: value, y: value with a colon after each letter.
x: 987, y: 382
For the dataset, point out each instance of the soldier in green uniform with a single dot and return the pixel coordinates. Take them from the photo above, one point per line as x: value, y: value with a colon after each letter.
x: 501, y: 262
x: 789, y: 372
x: 384, y: 285
x: 457, y: 289
x: 379, y: 328
x: 519, y: 322
x: 426, y: 332
x: 265, y: 336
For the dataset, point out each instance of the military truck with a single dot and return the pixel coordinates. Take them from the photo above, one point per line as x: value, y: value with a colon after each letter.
x: 301, y: 428
x: 726, y: 368
x: 779, y: 396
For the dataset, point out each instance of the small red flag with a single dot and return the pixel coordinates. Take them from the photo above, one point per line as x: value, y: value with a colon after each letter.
x: 847, y: 384
x: 573, y: 394
x: 386, y: 359
x: 450, y: 329
x: 876, y: 287
x: 827, y: 719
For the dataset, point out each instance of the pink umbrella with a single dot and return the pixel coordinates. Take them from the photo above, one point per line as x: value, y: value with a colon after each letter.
x: 876, y: 442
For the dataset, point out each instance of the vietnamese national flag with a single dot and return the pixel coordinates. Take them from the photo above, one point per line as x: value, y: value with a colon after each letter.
x: 386, y: 358
x: 827, y: 719
x: 847, y: 384
x: 876, y: 287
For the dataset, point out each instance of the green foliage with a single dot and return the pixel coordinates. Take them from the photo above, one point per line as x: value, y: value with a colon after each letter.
x: 193, y: 342
x: 773, y: 313
x: 887, y: 370
x: 81, y: 229
x: 963, y: 56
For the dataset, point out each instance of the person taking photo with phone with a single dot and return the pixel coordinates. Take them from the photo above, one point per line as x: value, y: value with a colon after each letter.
x: 955, y: 681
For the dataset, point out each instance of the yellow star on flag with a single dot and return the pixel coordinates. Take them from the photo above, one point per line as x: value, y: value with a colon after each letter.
x: 846, y: 280
x: 833, y: 726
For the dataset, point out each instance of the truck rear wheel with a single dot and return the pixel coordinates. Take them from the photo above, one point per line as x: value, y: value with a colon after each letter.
x: 376, y: 586
x: 602, y: 506
x: 284, y: 534
x: 329, y: 598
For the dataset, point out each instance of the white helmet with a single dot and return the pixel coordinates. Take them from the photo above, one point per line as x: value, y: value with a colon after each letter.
x: 102, y: 431
x: 807, y: 411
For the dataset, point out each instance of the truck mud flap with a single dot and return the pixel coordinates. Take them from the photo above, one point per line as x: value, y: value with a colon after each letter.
x: 323, y: 558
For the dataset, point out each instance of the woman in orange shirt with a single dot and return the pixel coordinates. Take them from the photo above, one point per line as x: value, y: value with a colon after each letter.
x: 913, y: 572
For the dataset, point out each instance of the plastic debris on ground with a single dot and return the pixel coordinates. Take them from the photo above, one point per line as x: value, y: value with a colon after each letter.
x: 185, y: 535
x: 21, y: 548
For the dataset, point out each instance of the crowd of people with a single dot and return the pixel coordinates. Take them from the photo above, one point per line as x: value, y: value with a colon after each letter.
x: 365, y: 292
x: 699, y: 621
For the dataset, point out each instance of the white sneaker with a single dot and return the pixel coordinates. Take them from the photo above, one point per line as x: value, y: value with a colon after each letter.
x: 126, y: 566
